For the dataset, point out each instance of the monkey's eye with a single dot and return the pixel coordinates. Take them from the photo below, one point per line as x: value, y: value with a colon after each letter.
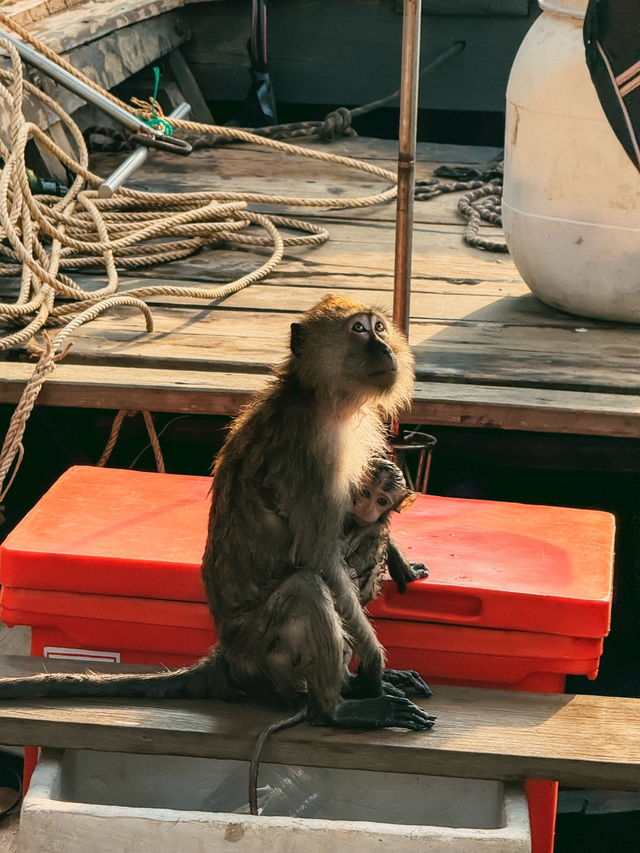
x: 366, y: 494
x: 383, y: 502
x: 380, y: 326
x: 358, y: 327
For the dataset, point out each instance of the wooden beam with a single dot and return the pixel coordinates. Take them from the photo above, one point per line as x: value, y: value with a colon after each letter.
x: 217, y: 392
x: 27, y: 12
x: 589, y: 741
x: 192, y: 94
x: 113, y: 58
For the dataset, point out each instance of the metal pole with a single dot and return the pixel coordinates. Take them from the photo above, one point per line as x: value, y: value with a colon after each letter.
x: 31, y: 56
x: 406, y: 161
x: 135, y: 159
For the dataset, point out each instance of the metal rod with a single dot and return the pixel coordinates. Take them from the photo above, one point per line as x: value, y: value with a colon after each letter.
x: 406, y: 161
x: 137, y: 157
x: 31, y: 56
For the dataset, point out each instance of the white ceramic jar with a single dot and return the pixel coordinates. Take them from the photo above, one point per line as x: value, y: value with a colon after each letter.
x: 571, y: 202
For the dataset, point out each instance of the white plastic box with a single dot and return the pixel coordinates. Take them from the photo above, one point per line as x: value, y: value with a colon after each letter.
x: 92, y: 802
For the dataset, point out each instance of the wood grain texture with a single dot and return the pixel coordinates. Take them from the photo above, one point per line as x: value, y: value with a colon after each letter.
x: 446, y: 403
x: 488, y: 353
x: 488, y: 734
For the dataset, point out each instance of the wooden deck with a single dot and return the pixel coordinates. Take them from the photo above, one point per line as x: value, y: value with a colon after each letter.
x: 488, y: 353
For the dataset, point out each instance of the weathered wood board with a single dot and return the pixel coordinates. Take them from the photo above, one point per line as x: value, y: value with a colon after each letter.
x: 591, y: 741
x: 488, y: 353
x: 27, y: 12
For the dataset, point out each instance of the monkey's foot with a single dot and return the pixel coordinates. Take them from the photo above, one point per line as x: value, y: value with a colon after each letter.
x: 357, y: 686
x: 354, y: 688
x: 406, y: 680
x: 380, y: 712
x: 419, y: 570
x: 390, y: 689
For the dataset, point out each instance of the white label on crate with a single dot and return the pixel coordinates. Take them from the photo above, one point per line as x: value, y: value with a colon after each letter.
x: 61, y: 653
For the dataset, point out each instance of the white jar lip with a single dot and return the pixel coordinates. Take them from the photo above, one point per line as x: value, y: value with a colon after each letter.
x: 573, y: 8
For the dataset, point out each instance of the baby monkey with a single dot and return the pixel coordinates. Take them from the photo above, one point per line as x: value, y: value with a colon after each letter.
x: 368, y: 547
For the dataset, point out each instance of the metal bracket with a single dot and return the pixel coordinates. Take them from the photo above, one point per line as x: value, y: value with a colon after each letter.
x: 163, y: 143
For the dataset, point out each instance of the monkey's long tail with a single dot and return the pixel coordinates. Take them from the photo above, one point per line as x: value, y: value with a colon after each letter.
x: 257, y: 753
x: 206, y: 679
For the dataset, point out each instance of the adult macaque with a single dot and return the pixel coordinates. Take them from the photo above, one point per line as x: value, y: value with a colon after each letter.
x: 273, y: 567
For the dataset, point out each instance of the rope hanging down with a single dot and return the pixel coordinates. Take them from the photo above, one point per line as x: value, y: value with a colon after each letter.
x: 43, y: 238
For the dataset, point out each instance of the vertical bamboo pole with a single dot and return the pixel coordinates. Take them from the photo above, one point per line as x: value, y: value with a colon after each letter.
x: 406, y: 161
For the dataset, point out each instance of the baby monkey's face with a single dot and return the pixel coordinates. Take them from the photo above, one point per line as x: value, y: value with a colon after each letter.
x: 385, y: 491
x: 373, y: 502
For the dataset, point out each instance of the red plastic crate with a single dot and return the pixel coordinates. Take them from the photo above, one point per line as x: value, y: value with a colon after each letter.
x: 130, y: 627
x: 501, y: 565
x: 518, y: 596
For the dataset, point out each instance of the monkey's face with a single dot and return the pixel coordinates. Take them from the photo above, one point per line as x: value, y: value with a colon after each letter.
x: 385, y: 492
x: 371, y: 504
x: 369, y: 358
x: 350, y: 353
x: 374, y: 502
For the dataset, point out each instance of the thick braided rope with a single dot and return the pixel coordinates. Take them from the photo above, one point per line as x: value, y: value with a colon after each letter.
x: 42, y: 236
x: 483, y: 202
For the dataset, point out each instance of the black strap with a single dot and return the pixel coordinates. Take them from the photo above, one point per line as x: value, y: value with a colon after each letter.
x: 612, y: 48
x: 260, y: 105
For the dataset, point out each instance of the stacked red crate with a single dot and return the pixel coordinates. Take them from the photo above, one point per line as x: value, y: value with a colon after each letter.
x: 107, y: 566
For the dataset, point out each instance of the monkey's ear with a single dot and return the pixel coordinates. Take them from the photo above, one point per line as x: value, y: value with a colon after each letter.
x: 407, y: 501
x: 298, y: 335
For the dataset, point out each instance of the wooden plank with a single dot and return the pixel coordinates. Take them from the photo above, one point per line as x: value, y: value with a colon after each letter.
x: 430, y: 301
x: 199, y: 108
x: 26, y: 12
x: 106, y: 387
x: 488, y: 353
x: 96, y: 18
x: 361, y: 249
x: 113, y: 57
x: 284, y: 287
x: 434, y: 403
x: 589, y: 741
x: 250, y: 168
x: 68, y: 26
x: 476, y: 351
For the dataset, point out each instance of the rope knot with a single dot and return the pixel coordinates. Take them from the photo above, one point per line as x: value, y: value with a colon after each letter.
x: 46, y: 349
x: 336, y: 123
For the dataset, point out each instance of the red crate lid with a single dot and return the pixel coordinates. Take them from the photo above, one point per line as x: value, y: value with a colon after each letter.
x: 505, y: 565
x: 113, y: 532
x: 132, y: 533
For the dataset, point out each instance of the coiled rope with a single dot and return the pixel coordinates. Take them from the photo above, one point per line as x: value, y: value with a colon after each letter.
x: 483, y: 202
x: 44, y: 237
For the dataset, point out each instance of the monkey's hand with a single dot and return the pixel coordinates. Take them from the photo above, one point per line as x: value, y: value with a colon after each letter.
x: 406, y: 680
x: 401, y: 570
x: 355, y: 687
x: 359, y: 685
